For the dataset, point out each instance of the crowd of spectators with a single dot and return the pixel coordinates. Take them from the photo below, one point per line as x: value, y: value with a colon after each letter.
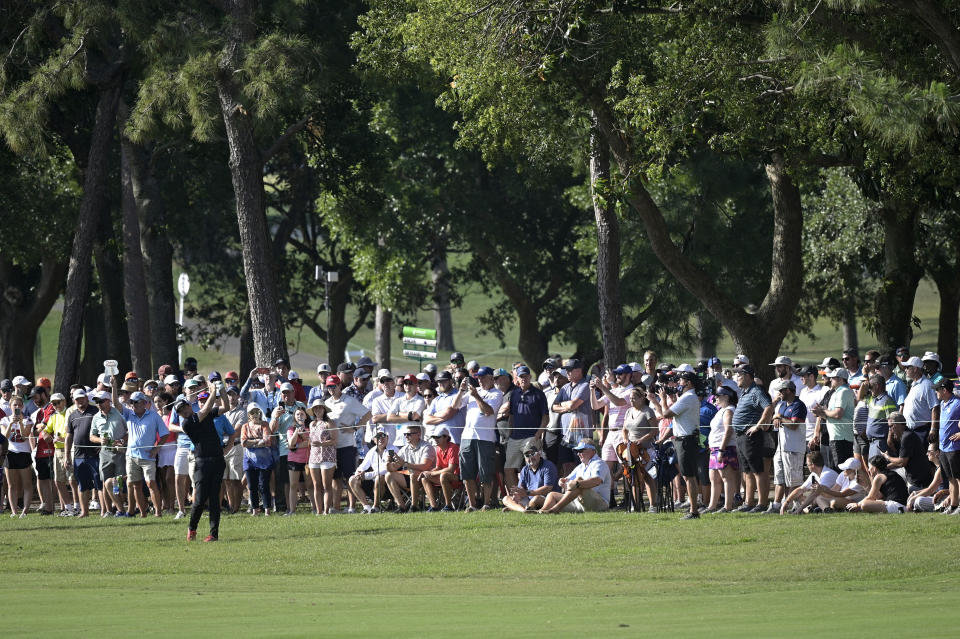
x: 878, y: 435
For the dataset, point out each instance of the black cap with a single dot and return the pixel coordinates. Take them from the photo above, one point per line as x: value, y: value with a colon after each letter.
x: 550, y: 363
x: 946, y: 383
x: 442, y: 375
x: 688, y: 376
x: 903, y: 350
x: 190, y: 362
x: 282, y: 361
x: 6, y: 385
x: 39, y: 389
x: 456, y: 356
x: 572, y: 363
x: 808, y: 370
x: 346, y: 367
x: 747, y: 369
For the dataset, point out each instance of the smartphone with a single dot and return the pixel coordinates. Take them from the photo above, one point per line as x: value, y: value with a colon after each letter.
x: 473, y: 381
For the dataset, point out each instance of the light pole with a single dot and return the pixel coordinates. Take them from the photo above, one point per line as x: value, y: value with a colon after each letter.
x: 183, y: 285
x: 329, y: 277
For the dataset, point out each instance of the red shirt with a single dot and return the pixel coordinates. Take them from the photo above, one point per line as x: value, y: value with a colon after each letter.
x: 449, y: 458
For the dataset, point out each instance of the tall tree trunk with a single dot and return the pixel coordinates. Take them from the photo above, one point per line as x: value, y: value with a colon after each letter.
x: 246, y: 172
x: 79, y: 269
x: 948, y: 286
x: 134, y: 281
x: 440, y: 275
x: 247, y: 358
x: 157, y: 256
x: 22, y: 310
x: 338, y: 335
x: 382, y: 335
x: 94, y: 343
x: 608, y: 252
x: 708, y: 334
x: 759, y: 334
x: 850, y: 338
x: 110, y: 277
x: 901, y: 275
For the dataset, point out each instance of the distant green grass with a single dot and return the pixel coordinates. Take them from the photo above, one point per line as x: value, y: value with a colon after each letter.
x: 485, y: 574
x: 488, y: 350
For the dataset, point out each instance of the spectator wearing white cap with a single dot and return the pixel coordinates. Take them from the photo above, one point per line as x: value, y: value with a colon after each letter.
x: 849, y: 487
x: 932, y: 367
x: 372, y: 469
x: 109, y: 429
x: 347, y: 413
x: 445, y: 473
x: 920, y: 408
x: 839, y: 415
x: 406, y: 409
x: 808, y: 493
x: 810, y: 393
x: 319, y: 391
x: 145, y: 429
x: 586, y: 488
x: 442, y: 412
x: 379, y: 401
x: 415, y: 457
x: 82, y: 453
x: 281, y: 419
x: 783, y: 368
x: 477, y: 447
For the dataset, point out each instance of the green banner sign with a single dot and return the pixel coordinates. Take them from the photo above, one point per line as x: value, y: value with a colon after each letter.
x: 423, y: 333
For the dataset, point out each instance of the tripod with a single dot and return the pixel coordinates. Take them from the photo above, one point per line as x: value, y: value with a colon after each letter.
x: 664, y: 490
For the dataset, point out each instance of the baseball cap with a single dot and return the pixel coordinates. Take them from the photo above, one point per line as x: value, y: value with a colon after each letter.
x: 102, y: 396
x: 287, y: 386
x: 713, y: 362
x: 903, y: 350
x: 523, y: 370
x: 726, y: 390
x: 914, y: 361
x: 214, y: 376
x: 365, y: 361
x: 930, y: 356
x: 783, y: 360
x: 549, y: 363
x: 808, y: 370
x: 584, y: 444
x: 293, y: 375
x: 233, y: 389
x: 472, y: 364
x: 362, y: 374
x: 440, y: 431
x: 530, y: 446
x: 740, y: 360
x: 39, y: 389
x: 103, y: 378
x: 164, y: 370
x: 170, y: 380
x: 946, y: 383
x: 282, y: 361
x: 332, y: 380
x: 131, y: 375
x: 322, y: 368
x: 444, y: 375
x: 829, y: 362
x: 851, y: 463
x: 57, y: 397
x: 484, y: 370
x: 20, y: 380
x: 151, y: 382
x: 45, y: 382
x: 231, y: 375
x: 623, y: 369
x: 572, y: 363
x: 781, y: 384
x: 747, y: 369
x: 430, y: 369
x: 191, y: 383
x: 560, y: 372
x: 384, y: 373
x: 838, y: 372
x: 501, y: 372
x: 456, y: 356
x: 410, y: 378
x: 422, y: 377
x: 380, y: 433
x: 346, y: 367
x: 138, y: 397
x: 252, y: 406
x: 636, y: 367
x: 181, y: 401
x: 77, y: 394
x: 685, y: 368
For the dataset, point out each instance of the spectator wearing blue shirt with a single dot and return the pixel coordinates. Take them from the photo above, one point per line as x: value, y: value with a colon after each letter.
x: 790, y: 420
x: 750, y: 420
x: 528, y: 423
x: 949, y: 436
x: 538, y: 478
x: 145, y: 428
x: 894, y: 386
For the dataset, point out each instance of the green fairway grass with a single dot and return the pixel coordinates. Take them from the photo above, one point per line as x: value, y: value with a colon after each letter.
x: 485, y: 574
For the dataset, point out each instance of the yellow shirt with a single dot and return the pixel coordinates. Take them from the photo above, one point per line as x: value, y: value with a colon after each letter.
x: 57, y: 426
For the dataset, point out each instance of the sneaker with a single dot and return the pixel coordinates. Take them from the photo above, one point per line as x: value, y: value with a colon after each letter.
x: 469, y: 509
x: 679, y: 505
x: 744, y: 508
x: 485, y: 507
x: 955, y: 511
x: 691, y: 516
x: 432, y: 509
x: 350, y: 511
x: 448, y: 509
x: 94, y: 505
x: 180, y: 515
x: 774, y: 509
x: 191, y: 535
x: 723, y: 510
x: 652, y: 510
x: 286, y: 514
x: 828, y: 510
x: 209, y: 538
x: 413, y: 509
x: 707, y: 511
x: 757, y: 509
x: 65, y: 513
x: 816, y: 509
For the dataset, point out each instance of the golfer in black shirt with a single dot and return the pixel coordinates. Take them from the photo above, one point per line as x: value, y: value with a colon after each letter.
x: 210, y: 465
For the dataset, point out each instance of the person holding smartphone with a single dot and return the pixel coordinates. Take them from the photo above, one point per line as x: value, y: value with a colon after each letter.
x: 16, y: 428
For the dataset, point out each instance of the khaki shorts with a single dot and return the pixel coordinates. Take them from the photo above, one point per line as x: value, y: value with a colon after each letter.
x: 181, y: 465
x: 62, y: 471
x: 141, y: 469
x: 588, y: 502
x: 234, y: 459
x: 787, y: 468
x: 515, y: 452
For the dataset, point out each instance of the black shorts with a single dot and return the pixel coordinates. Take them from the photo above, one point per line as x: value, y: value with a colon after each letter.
x: 44, y: 466
x: 18, y: 461
x: 950, y: 464
x: 346, y: 462
x: 770, y: 444
x: 842, y: 451
x: 296, y: 466
x: 688, y: 455
x: 750, y: 452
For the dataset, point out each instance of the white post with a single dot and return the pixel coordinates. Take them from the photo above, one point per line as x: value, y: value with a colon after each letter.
x: 183, y: 285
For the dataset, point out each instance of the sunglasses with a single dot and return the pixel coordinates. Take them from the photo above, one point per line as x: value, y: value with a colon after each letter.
x: 531, y: 453
x: 409, y: 434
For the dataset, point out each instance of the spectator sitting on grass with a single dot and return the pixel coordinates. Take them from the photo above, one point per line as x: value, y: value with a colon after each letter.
x: 446, y: 472
x: 416, y: 456
x: 587, y: 488
x: 907, y: 449
x: 538, y: 478
x: 806, y: 494
x: 936, y: 495
x: 888, y: 491
x: 848, y: 488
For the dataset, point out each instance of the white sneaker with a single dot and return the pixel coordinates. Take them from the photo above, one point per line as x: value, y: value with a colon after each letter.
x: 94, y: 505
x: 180, y: 515
x: 350, y: 511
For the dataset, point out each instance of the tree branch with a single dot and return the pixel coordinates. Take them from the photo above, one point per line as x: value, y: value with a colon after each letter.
x: 291, y: 131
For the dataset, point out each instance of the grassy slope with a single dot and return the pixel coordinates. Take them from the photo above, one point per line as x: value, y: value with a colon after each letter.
x: 487, y: 350
x: 469, y: 575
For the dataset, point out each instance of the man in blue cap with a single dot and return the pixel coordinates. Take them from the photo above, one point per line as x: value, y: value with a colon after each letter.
x: 587, y: 488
